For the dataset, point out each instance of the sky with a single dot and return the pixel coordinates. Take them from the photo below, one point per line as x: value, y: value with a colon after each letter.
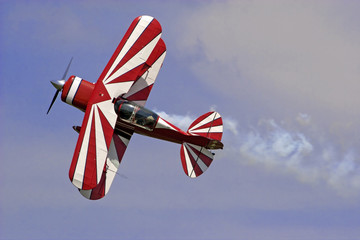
x: 284, y: 75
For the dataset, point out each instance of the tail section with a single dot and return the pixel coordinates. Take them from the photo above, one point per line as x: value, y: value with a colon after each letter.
x: 209, y: 125
x: 196, y: 159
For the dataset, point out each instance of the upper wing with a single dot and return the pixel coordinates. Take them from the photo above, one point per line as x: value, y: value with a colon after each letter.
x: 130, y: 57
x: 140, y: 90
x: 119, y: 75
x: 116, y: 152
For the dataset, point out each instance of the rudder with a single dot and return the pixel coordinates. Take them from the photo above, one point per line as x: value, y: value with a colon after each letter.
x: 209, y: 125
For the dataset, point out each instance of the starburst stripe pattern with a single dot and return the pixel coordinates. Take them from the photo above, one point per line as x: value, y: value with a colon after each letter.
x: 209, y: 125
x: 123, y: 69
x: 139, y: 92
x: 195, y: 160
x: 129, y: 60
x: 116, y: 151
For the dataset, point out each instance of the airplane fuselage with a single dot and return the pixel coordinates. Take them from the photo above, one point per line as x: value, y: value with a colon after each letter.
x: 133, y: 117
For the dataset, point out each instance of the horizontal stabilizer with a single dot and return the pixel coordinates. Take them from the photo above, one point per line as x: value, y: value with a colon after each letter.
x: 195, y: 159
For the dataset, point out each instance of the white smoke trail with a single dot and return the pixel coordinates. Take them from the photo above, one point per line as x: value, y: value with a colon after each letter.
x: 180, y: 121
x: 290, y: 151
x: 304, y: 155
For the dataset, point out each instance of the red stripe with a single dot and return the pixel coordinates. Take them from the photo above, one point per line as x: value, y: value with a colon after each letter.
x: 131, y: 75
x: 99, y: 191
x: 197, y: 170
x: 119, y: 146
x: 143, y: 94
x: 215, y: 136
x: 99, y: 94
x: 90, y: 178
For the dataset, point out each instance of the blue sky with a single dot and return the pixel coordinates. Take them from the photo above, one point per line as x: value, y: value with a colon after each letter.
x: 283, y: 74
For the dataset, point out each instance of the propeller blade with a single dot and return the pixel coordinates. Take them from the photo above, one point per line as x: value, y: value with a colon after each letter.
x: 67, y: 69
x: 59, y: 85
x: 52, y: 102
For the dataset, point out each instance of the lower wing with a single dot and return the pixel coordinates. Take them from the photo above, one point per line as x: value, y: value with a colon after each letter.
x: 117, y: 149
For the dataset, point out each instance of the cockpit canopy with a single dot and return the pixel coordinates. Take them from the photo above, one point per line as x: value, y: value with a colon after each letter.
x: 135, y: 114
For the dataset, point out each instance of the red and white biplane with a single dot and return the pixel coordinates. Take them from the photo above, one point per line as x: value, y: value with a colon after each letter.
x: 114, y: 110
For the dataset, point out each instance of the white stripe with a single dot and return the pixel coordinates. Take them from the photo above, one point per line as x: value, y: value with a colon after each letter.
x: 110, y: 175
x: 112, y: 155
x: 73, y: 89
x: 101, y: 148
x: 208, y: 119
x: 187, y: 161
x: 162, y: 124
x: 139, y: 85
x: 125, y: 140
x: 80, y: 165
x: 138, y: 30
x: 86, y: 193
x: 215, y: 129
x: 154, y: 70
x: 107, y: 108
x: 117, y: 89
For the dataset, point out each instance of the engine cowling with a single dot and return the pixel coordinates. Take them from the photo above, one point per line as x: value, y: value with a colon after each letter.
x: 77, y: 92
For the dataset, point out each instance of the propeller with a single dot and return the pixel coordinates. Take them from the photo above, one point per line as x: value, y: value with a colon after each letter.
x: 59, y: 84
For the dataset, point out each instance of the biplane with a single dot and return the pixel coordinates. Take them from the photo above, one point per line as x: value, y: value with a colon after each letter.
x: 114, y: 111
